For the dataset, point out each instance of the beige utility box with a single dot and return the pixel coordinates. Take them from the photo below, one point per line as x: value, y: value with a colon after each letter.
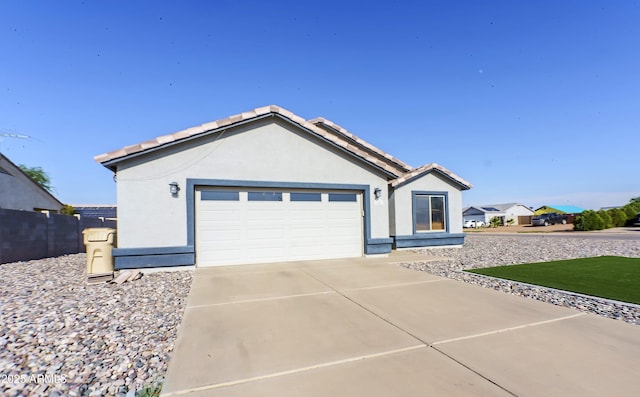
x: 99, y: 242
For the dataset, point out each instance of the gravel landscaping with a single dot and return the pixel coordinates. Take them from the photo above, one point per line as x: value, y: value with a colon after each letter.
x: 60, y: 336
x: 490, y: 251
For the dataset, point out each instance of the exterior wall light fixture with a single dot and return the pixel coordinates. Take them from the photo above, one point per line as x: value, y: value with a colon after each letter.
x: 174, y: 188
x: 377, y: 192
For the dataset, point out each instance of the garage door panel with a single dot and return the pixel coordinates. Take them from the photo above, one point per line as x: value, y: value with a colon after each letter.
x: 242, y: 231
x: 222, y: 236
x: 220, y: 216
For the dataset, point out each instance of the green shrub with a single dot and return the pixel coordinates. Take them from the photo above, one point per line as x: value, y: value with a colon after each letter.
x: 606, y: 219
x: 150, y: 391
x: 628, y: 211
x: 631, y: 210
x: 67, y: 210
x: 618, y: 217
x: 495, y: 221
x: 588, y: 220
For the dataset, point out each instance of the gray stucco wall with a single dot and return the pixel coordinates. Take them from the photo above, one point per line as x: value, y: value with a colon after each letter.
x: 402, y: 203
x: 268, y: 150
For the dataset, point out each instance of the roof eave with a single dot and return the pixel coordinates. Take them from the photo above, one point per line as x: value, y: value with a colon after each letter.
x: 113, y: 163
x: 462, y: 185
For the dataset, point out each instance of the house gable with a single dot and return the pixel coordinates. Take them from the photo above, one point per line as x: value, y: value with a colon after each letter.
x: 434, y: 168
x: 357, y: 148
x: 273, y: 151
x: 18, y: 191
x: 267, y: 152
x: 403, y: 205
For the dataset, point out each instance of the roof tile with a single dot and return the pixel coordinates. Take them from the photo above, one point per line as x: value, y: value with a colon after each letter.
x: 319, y: 126
x: 166, y: 138
x: 322, y: 121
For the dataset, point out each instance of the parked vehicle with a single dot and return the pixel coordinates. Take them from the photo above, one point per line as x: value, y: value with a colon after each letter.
x: 549, y: 219
x: 473, y: 224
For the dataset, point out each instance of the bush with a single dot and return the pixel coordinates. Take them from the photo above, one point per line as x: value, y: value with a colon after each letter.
x: 618, y: 217
x: 631, y: 210
x: 606, y: 219
x: 67, y: 210
x: 588, y: 220
x: 495, y: 221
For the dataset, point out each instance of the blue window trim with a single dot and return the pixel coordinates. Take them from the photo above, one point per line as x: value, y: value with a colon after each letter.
x: 415, y: 193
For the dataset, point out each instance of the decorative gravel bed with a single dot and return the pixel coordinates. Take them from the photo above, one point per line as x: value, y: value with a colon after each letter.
x: 490, y: 251
x: 60, y: 336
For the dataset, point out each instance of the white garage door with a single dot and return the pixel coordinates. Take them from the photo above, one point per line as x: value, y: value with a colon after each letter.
x: 259, y: 226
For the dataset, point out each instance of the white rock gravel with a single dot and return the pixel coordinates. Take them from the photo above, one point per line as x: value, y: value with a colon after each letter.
x: 490, y: 251
x: 60, y: 336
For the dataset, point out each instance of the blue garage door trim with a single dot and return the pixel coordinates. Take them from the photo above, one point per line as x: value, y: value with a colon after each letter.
x: 192, y: 184
x: 131, y: 258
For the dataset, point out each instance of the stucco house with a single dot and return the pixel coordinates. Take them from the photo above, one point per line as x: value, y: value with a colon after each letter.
x: 267, y: 185
x: 19, y: 192
x: 521, y: 214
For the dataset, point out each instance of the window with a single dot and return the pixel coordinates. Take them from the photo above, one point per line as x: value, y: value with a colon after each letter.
x: 306, y: 196
x: 429, y: 212
x: 219, y: 195
x: 265, y: 196
x: 343, y: 197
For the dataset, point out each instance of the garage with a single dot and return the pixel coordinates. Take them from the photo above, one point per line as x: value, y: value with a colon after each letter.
x: 249, y: 225
x: 267, y: 185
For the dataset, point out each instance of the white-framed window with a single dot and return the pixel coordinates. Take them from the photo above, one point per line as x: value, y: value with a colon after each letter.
x: 429, y: 212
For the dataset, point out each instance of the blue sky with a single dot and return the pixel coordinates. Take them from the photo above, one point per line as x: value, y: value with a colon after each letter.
x: 532, y: 102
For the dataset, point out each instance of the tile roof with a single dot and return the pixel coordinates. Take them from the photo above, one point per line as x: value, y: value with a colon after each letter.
x: 358, y: 147
x: 318, y: 126
x: 428, y: 168
x: 331, y: 126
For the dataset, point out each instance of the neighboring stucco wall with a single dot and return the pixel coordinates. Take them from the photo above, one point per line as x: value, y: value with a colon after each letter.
x: 267, y: 150
x: 516, y: 211
x: 488, y: 216
x: 432, y: 183
x: 18, y: 192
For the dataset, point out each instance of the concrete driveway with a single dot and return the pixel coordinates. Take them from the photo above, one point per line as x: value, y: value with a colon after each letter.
x: 369, y: 327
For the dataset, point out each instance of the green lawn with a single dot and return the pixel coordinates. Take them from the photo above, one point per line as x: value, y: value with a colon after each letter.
x: 610, y: 277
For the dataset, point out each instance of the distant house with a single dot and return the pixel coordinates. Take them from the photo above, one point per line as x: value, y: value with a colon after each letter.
x: 560, y: 209
x: 19, y: 192
x: 521, y: 214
